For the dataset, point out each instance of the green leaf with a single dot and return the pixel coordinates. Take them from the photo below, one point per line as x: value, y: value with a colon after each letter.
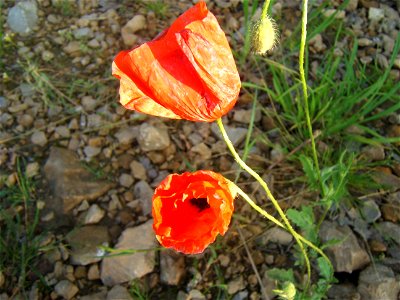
x: 281, y: 275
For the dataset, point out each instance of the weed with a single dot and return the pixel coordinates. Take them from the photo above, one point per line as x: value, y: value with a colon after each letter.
x: 20, y: 244
x: 159, y: 7
x: 139, y: 291
x: 66, y: 7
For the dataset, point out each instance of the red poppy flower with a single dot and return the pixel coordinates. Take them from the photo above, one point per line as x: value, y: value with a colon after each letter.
x: 187, y: 72
x: 190, y: 209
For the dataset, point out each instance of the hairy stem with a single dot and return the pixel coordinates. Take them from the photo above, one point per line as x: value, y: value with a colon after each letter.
x: 268, y: 192
x: 305, y: 93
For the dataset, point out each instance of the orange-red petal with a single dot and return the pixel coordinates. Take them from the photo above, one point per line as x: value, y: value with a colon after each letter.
x: 183, y: 225
x: 188, y: 72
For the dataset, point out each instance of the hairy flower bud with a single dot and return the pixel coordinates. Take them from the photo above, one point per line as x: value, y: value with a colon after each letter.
x: 264, y: 35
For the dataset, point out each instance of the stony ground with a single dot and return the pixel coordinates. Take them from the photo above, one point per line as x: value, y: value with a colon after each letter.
x: 84, y: 168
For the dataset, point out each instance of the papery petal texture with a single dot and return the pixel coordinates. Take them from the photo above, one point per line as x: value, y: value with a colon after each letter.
x: 191, y: 209
x: 187, y: 72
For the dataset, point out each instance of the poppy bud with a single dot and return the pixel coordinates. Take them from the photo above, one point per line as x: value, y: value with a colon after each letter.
x: 264, y: 35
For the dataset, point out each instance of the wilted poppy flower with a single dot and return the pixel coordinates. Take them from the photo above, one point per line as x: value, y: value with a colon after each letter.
x: 187, y: 72
x: 190, y: 209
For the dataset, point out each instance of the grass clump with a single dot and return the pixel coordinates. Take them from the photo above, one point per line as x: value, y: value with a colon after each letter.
x: 20, y: 241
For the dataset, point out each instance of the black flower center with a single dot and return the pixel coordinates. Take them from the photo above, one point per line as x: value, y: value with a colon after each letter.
x: 200, y: 203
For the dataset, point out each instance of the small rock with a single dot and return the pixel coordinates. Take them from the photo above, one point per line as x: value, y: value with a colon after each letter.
x: 347, y: 255
x: 172, y: 267
x: 137, y: 23
x: 244, y: 116
x: 235, y: 134
x: 93, y: 272
x: 83, y: 33
x: 84, y: 243
x: 138, y: 170
x: 374, y: 153
x: 27, y: 90
x: 73, y: 48
x: 316, y: 44
x: 66, y: 289
x: 23, y: 17
x: 126, y: 136
x: 3, y: 103
x: 144, y: 193
x: 119, y: 269
x: 39, y: 138
x: 378, y: 282
x: 119, y: 292
x: 382, y: 61
x: 88, y: 103
x: 375, y: 14
x: 364, y: 42
x: 235, y: 285
x: 203, y: 151
x: 32, y: 169
x: 97, y: 296
x: 340, y: 15
x: 47, y: 55
x: 389, y: 231
x: 196, y: 295
x: 126, y: 180
x: 152, y: 138
x: 91, y: 151
x: 352, y: 5
x: 370, y: 211
x: 276, y: 235
x: 243, y: 295
x: 94, y: 43
x: 391, y: 209
x: 94, y: 215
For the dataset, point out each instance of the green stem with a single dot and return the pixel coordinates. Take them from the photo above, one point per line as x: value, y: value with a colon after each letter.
x: 277, y: 222
x: 268, y: 192
x: 305, y: 94
x: 265, y: 9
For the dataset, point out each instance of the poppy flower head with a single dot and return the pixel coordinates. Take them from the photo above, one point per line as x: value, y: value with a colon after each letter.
x: 187, y: 72
x: 191, y: 209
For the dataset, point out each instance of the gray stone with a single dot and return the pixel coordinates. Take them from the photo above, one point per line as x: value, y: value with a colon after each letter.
x: 137, y: 23
x: 126, y: 136
x: 374, y: 153
x: 346, y: 255
x: 276, y: 235
x: 202, y: 150
x: 243, y: 295
x: 235, y: 285
x: 378, y: 282
x: 85, y: 242
x: 66, y: 289
x: 88, y: 103
x: 196, y: 295
x: 126, y: 180
x: 352, y: 5
x: 172, y: 267
x: 375, y: 14
x: 244, y: 115
x: 70, y: 181
x: 23, y: 17
x: 83, y: 33
x: 27, y: 90
x: 343, y: 291
x: 153, y: 138
x: 123, y: 268
x: 144, y: 193
x: 138, y: 170
x: 94, y: 215
x: 39, y: 138
x: 97, y: 296
x: 370, y: 211
x: 389, y: 231
x: 119, y: 292
x: 91, y: 151
x: 3, y: 103
x: 235, y: 134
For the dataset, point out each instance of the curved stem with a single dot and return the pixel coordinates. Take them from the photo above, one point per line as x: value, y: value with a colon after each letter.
x: 277, y: 222
x: 265, y: 9
x: 305, y: 94
x: 268, y: 192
